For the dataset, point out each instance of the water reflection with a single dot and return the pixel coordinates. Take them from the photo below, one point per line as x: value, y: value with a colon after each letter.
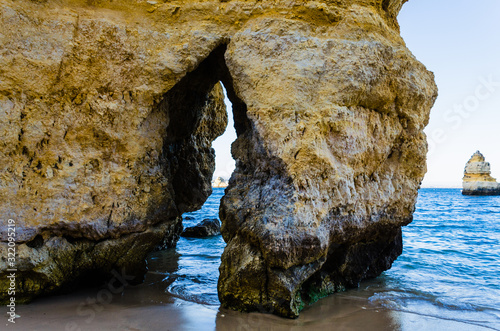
x: 340, y: 312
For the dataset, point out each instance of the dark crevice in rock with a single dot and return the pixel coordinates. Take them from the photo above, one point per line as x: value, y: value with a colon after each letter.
x: 73, y: 240
x: 385, y: 4
x: 36, y: 242
x: 193, y: 107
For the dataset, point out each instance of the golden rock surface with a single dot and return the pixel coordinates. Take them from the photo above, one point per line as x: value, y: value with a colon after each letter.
x: 108, y: 110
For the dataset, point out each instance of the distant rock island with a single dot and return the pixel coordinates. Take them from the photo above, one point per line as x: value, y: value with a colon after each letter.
x: 219, y: 182
x: 477, y: 179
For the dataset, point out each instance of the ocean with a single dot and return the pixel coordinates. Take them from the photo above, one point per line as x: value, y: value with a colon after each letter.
x: 448, y: 278
x: 449, y: 269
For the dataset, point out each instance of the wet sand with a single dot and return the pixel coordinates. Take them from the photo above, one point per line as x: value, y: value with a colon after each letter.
x: 179, y: 291
x: 152, y: 306
x: 148, y: 307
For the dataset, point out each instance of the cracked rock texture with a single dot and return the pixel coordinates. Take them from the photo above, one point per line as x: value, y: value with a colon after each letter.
x: 329, y: 168
x: 108, y: 110
x: 106, y: 137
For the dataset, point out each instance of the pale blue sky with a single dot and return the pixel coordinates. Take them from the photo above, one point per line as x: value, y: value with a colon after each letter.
x: 459, y: 41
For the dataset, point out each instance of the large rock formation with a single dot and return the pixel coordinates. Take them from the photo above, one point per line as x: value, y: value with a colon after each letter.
x: 477, y: 177
x: 106, y: 136
x: 329, y: 164
x: 108, y: 110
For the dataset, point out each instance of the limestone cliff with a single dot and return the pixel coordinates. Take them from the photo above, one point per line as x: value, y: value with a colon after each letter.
x: 106, y: 137
x: 328, y: 168
x: 108, y: 110
x: 477, y: 179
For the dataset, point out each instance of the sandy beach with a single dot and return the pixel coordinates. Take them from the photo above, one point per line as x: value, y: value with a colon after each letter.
x: 148, y: 307
x: 426, y: 289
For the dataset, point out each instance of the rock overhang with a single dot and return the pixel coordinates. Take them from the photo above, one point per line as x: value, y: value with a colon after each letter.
x: 329, y: 112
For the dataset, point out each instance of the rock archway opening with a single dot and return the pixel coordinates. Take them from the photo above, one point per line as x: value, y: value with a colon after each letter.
x: 224, y: 161
x: 204, y: 116
x: 196, y: 117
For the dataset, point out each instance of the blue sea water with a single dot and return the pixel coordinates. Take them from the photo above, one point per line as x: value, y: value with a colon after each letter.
x: 449, y: 269
x: 197, y: 259
x: 450, y: 266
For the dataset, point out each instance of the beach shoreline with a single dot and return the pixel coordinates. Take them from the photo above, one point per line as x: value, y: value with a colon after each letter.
x: 150, y: 306
x: 132, y: 311
x: 432, y: 286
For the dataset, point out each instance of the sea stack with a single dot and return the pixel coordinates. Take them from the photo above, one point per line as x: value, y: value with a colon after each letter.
x: 108, y: 110
x: 477, y: 179
x: 219, y: 182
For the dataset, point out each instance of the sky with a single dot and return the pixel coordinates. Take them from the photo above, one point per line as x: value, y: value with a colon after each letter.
x: 459, y: 41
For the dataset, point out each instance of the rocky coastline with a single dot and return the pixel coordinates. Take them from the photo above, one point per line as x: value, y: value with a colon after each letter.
x: 109, y: 109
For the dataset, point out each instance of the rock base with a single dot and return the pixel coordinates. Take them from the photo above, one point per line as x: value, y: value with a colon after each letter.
x: 61, y: 264
x: 481, y: 192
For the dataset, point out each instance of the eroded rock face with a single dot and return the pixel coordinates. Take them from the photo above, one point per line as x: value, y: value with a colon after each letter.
x: 107, y: 132
x: 330, y: 168
x: 108, y: 110
x: 477, y: 177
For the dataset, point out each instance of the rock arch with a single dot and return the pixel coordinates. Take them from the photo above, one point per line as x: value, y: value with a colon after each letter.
x: 108, y: 117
